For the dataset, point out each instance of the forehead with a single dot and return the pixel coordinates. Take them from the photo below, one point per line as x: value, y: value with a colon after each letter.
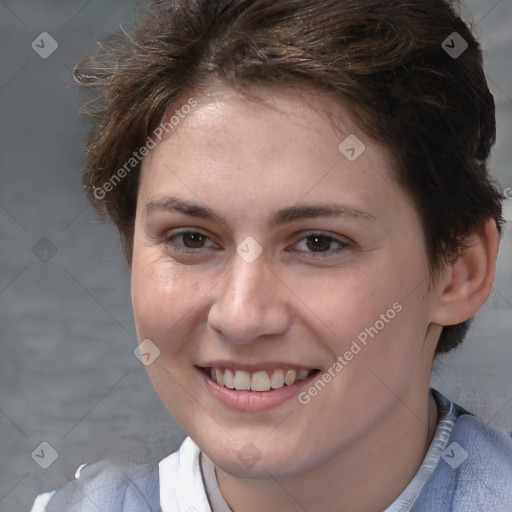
x: 280, y: 145
x: 226, y: 129
x: 265, y: 112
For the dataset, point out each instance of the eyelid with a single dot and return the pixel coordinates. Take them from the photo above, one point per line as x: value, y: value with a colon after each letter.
x: 327, y: 234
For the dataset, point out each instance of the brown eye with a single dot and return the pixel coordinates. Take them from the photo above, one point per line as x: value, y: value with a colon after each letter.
x: 320, y: 243
x: 193, y: 240
x: 187, y: 240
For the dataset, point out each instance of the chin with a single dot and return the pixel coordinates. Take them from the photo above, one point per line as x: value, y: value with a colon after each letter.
x: 258, y: 460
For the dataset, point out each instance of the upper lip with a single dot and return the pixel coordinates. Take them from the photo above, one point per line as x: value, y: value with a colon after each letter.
x: 253, y: 367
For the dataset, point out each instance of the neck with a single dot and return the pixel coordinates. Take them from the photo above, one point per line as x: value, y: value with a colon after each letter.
x: 368, y: 475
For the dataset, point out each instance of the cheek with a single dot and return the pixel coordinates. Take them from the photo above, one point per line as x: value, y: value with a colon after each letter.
x: 162, y: 296
x: 380, y: 307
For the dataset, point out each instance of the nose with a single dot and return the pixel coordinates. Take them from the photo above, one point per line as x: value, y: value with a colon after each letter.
x: 249, y: 303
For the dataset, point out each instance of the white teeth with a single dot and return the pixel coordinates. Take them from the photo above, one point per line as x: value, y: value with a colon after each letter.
x: 229, y: 379
x: 242, y: 380
x: 289, y: 377
x: 258, y: 381
x: 277, y: 379
x: 302, y: 374
x: 219, y: 376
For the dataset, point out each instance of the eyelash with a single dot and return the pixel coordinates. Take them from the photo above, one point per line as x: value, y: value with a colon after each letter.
x: 168, y: 240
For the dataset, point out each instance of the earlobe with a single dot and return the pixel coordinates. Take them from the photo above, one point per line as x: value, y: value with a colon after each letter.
x: 468, y: 280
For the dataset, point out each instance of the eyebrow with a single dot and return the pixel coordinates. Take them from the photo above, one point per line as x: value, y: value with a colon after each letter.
x: 282, y: 216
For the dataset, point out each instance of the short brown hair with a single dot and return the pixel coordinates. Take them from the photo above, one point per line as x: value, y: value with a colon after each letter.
x: 431, y: 109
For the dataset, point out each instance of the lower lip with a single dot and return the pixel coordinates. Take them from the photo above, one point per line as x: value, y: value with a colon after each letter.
x: 254, y: 400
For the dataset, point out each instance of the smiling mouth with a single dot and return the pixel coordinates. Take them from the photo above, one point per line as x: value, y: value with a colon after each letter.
x: 263, y: 380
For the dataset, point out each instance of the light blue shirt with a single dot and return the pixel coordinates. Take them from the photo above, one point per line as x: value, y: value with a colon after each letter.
x: 468, y: 468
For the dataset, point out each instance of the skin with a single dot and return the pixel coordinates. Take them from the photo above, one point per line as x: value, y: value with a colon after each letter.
x: 357, y: 444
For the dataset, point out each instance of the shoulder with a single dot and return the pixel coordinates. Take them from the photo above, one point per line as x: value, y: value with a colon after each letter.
x: 173, y: 484
x: 475, y: 468
x: 105, y: 486
x: 475, y: 431
x: 488, y: 449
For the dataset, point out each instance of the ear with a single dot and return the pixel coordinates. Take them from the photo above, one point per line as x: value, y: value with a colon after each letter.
x: 467, y: 281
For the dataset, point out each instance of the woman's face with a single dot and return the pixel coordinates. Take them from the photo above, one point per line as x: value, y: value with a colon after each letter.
x: 262, y: 246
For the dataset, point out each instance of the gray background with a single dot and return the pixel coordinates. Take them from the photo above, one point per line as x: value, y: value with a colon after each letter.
x: 68, y: 375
